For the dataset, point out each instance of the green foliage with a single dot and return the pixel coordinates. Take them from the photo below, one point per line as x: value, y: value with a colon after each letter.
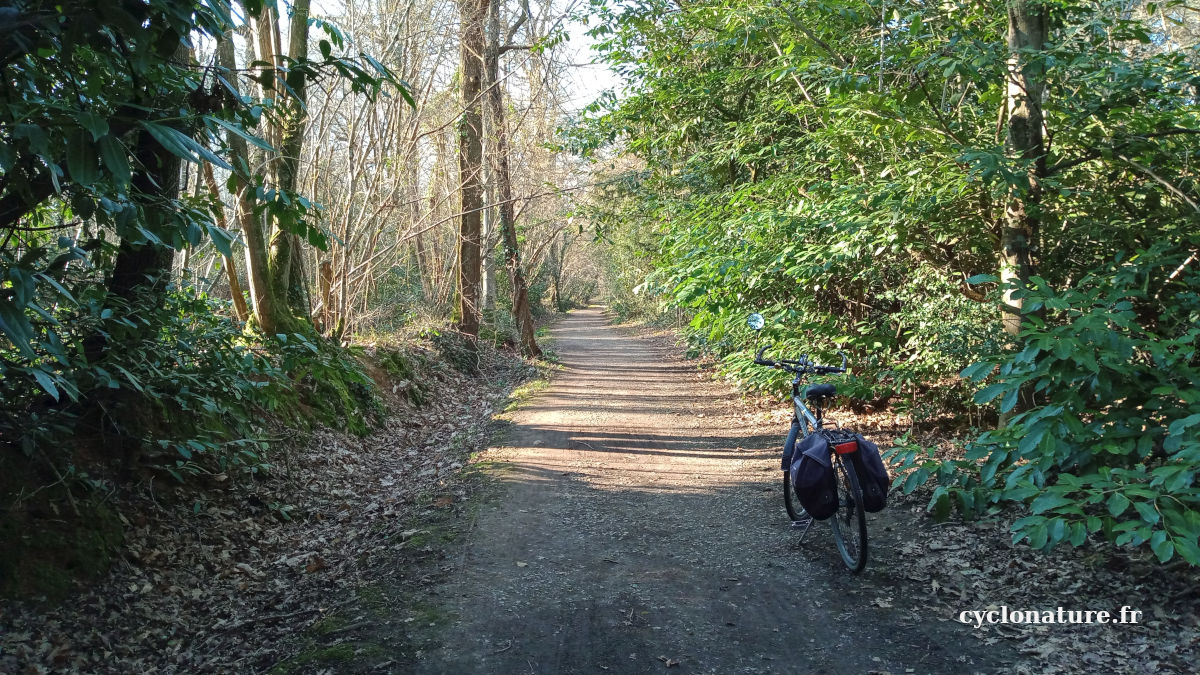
x: 537, y: 286
x: 401, y: 367
x: 842, y: 169
x: 629, y: 246
x: 455, y: 349
x: 97, y: 95
x: 94, y: 90
x: 797, y: 200
x: 1110, y: 443
x: 193, y: 396
x: 539, y: 291
x: 192, y: 393
x: 332, y: 381
x: 577, y: 292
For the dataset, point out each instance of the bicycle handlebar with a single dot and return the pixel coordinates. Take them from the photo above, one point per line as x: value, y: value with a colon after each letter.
x: 801, y: 365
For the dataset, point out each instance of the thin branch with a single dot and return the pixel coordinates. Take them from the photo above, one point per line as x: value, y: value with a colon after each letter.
x: 1162, y: 181
x: 1097, y: 153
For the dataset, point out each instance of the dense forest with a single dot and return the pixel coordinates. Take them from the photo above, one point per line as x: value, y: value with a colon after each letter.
x: 220, y: 221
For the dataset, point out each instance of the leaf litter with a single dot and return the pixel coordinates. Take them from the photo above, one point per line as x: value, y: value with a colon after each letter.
x: 221, y: 580
x: 223, y: 587
x: 974, y: 565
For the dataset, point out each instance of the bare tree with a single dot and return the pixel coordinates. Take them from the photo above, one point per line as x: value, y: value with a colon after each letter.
x: 500, y: 172
x: 470, y: 162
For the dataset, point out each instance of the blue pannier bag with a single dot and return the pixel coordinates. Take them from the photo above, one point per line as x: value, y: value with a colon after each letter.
x: 812, y: 477
x: 872, y: 475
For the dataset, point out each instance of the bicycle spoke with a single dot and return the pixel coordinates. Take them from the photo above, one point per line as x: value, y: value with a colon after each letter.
x: 849, y: 523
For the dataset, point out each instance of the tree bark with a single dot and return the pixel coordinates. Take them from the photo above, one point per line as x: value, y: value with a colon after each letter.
x: 470, y: 162
x: 145, y: 268
x: 262, y: 296
x: 503, y: 181
x: 488, y: 239
x: 285, y: 262
x: 327, y: 313
x: 147, y: 265
x: 1027, y: 35
x: 235, y: 286
x: 1027, y: 32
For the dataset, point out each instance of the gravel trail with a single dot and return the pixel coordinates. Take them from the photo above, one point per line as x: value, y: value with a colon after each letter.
x: 640, y: 529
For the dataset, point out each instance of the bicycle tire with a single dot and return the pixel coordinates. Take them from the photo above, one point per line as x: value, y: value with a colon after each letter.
x: 850, y: 521
x: 791, y: 502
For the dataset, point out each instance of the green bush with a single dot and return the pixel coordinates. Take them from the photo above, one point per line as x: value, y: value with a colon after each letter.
x: 178, y: 385
x: 330, y: 380
x: 185, y: 389
x: 577, y: 292
x: 1105, y: 439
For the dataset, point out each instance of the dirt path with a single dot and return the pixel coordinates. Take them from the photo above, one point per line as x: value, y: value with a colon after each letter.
x: 640, y: 528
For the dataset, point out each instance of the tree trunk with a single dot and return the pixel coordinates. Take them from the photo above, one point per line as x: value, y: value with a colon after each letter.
x: 235, y: 286
x: 142, y: 269
x: 262, y: 296
x: 326, y: 276
x: 285, y: 262
x: 503, y: 181
x: 148, y: 266
x: 488, y: 240
x: 470, y: 161
x: 1027, y: 31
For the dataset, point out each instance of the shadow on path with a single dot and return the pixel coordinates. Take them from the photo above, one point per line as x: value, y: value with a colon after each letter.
x: 640, y: 528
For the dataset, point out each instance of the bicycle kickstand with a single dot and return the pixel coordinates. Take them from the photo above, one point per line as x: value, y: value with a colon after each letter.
x: 804, y: 525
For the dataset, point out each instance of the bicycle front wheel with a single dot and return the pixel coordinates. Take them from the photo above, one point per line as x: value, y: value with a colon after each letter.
x: 795, y: 511
x: 850, y: 521
x: 790, y: 501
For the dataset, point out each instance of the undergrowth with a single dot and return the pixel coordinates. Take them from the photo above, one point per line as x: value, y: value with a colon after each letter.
x: 176, y: 390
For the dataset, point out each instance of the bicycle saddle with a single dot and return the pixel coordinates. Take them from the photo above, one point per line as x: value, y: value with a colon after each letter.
x: 820, y: 391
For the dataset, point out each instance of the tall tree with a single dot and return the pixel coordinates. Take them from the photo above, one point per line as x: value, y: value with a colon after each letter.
x: 1027, y: 35
x: 143, y: 265
x: 503, y: 179
x: 146, y: 264
x: 472, y: 13
x: 235, y: 285
x: 286, y: 259
x: 277, y: 282
x: 262, y: 295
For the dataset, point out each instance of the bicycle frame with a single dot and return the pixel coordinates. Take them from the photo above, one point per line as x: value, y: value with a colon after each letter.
x: 802, y: 412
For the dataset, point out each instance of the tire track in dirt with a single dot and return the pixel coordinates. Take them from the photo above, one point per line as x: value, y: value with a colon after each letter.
x: 640, y: 528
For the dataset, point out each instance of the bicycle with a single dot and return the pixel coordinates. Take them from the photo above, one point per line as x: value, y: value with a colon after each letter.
x: 849, y: 523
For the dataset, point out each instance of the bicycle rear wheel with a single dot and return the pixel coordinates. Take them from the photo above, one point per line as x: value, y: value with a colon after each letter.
x: 850, y: 521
